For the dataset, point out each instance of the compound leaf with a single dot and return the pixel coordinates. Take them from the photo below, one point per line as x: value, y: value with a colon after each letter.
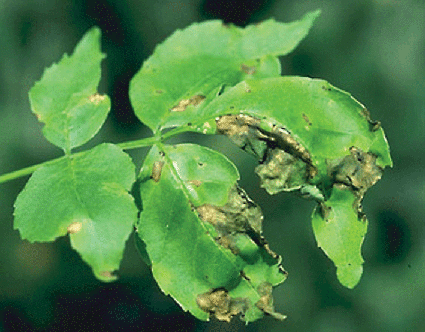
x: 195, y: 64
x: 85, y: 195
x: 340, y: 233
x: 66, y: 98
x: 210, y: 262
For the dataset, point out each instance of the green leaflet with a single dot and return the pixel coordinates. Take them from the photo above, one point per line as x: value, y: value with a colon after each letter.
x: 340, y: 233
x: 323, y: 119
x: 308, y: 136
x: 85, y: 195
x: 66, y: 98
x: 193, y: 66
x: 199, y: 255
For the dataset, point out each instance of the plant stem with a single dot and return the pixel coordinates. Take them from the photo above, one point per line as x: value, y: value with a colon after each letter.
x: 25, y: 171
x: 139, y: 143
x: 29, y: 170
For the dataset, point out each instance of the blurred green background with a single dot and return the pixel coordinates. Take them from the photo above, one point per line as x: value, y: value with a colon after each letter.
x: 373, y: 49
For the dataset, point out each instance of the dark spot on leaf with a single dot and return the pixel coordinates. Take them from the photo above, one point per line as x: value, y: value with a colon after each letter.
x: 200, y: 164
x: 243, y: 275
x: 221, y: 90
x: 158, y: 92
x: 282, y: 270
x: 232, y: 107
x: 249, y: 70
x: 324, y: 211
x: 184, y: 103
x: 326, y: 88
x: 248, y: 90
x: 360, y: 214
x: 373, y: 125
x: 306, y: 119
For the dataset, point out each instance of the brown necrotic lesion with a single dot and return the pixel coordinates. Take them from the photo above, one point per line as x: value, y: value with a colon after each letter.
x: 217, y: 302
x: 285, y: 164
x: 358, y: 171
x: 266, y: 300
x: 238, y: 226
x: 239, y: 215
x: 184, y: 103
x: 157, y: 170
x: 244, y: 131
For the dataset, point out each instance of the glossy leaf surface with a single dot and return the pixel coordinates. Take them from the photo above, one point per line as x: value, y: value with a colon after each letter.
x: 188, y: 260
x: 66, y: 98
x: 308, y: 135
x: 194, y: 65
x: 325, y: 120
x: 85, y: 195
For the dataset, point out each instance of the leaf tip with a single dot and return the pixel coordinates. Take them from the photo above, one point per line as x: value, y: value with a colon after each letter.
x: 313, y: 15
x: 349, y: 275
